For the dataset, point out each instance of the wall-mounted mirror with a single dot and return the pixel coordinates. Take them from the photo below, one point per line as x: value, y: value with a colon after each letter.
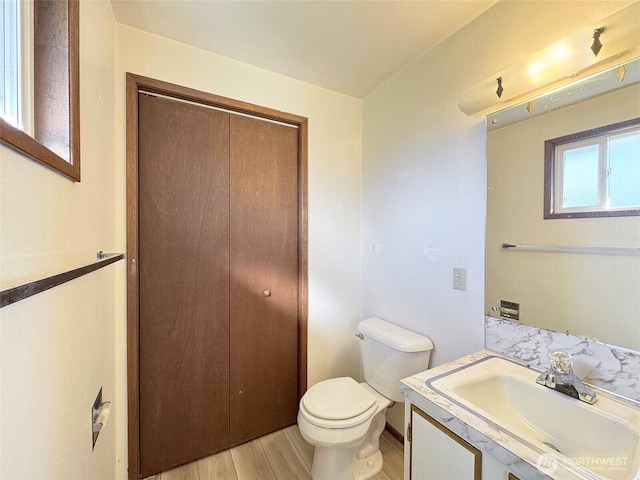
x: 575, y: 275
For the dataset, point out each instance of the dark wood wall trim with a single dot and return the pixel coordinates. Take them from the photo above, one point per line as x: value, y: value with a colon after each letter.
x: 133, y: 311
x: 15, y: 294
x: 135, y: 84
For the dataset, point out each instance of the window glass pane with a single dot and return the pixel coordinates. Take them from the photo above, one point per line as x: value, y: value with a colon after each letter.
x: 9, y: 61
x: 2, y: 58
x: 580, y: 177
x: 624, y: 170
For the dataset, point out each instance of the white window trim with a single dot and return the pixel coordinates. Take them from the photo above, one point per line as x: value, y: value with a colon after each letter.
x: 26, y: 61
x: 601, y: 142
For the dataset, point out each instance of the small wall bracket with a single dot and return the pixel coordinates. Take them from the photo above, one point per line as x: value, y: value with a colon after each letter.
x: 99, y: 415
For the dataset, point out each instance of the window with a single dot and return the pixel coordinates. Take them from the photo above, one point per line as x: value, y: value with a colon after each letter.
x: 10, y: 61
x: 39, y: 82
x: 595, y: 173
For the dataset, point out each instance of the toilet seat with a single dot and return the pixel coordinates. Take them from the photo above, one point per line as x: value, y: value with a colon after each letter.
x: 338, y: 403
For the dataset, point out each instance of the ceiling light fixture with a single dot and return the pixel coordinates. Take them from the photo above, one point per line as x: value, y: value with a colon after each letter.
x: 500, y: 89
x: 566, y: 61
x: 596, y: 45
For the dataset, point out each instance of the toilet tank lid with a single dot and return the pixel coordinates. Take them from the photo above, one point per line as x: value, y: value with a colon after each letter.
x: 394, y: 336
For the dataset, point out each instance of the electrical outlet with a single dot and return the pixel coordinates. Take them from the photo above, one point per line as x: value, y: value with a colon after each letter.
x: 459, y: 278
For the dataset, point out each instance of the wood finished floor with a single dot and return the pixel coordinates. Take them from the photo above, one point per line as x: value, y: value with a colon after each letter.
x: 283, y: 455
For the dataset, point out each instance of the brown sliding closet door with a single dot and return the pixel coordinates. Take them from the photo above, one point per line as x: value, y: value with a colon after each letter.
x: 218, y: 226
x: 264, y: 273
x: 184, y: 282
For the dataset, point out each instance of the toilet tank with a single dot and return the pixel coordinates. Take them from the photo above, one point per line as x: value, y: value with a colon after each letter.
x: 389, y: 354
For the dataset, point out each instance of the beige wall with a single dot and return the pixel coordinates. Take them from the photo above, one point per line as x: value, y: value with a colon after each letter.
x: 58, y: 348
x: 586, y: 294
x: 334, y: 183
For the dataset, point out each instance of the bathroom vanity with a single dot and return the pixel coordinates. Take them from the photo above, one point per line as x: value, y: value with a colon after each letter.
x: 484, y: 417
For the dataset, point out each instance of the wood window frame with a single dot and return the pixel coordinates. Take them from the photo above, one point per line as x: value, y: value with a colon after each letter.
x: 135, y: 84
x: 550, y: 172
x: 60, y: 61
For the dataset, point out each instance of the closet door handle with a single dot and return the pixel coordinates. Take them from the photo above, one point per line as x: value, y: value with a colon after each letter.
x: 267, y: 293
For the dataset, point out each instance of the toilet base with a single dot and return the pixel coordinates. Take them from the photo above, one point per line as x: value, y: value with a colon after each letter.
x: 338, y: 464
x: 368, y: 467
x: 359, y: 460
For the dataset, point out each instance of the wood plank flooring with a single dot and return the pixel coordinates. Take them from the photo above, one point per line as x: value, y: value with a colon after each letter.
x: 283, y: 455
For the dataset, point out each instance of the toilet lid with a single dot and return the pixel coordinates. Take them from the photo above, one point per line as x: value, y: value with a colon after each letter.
x: 338, y: 399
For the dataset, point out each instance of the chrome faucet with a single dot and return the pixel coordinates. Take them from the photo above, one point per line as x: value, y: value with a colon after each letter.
x: 560, y: 377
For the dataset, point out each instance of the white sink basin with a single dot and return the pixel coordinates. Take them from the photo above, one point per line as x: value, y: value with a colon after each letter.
x: 603, y: 438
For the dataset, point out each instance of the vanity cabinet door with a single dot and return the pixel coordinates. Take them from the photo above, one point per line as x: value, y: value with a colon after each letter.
x: 433, y: 452
x: 437, y: 453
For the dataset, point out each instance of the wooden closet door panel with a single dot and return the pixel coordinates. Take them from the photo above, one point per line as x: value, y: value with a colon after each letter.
x: 184, y: 289
x: 264, y: 257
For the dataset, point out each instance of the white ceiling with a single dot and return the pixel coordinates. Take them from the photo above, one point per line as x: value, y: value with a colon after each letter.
x: 345, y: 46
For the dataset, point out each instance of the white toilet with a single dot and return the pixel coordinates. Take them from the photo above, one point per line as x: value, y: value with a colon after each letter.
x: 344, y: 419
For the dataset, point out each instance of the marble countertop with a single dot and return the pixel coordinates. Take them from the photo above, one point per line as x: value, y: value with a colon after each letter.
x: 522, y: 459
